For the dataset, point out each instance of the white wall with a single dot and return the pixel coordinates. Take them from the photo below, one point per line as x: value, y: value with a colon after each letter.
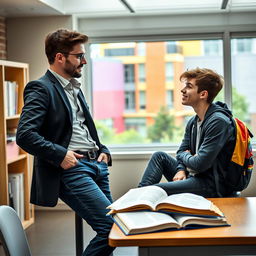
x: 25, y: 40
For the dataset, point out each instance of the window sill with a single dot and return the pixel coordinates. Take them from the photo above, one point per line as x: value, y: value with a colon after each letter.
x: 145, y: 151
x: 140, y: 151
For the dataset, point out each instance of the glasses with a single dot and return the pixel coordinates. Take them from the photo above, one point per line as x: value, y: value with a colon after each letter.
x: 80, y: 56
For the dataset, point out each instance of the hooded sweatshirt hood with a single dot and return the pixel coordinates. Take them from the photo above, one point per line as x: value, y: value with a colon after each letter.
x: 218, y: 106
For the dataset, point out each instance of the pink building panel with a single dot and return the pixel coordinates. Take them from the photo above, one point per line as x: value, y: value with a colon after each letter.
x: 108, y: 104
x: 108, y: 75
x: 108, y: 91
x: 119, y: 124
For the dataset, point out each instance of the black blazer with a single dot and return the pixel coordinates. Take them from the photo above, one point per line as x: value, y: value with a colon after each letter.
x: 45, y: 130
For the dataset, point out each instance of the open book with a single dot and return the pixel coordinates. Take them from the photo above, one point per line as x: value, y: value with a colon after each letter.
x: 145, y: 221
x: 156, y: 199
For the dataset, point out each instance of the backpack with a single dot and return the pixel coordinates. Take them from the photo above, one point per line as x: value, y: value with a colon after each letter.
x: 239, y: 170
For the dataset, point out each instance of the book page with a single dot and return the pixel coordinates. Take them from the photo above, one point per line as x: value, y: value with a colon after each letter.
x: 188, y: 200
x: 144, y: 221
x: 149, y: 195
x: 195, y: 220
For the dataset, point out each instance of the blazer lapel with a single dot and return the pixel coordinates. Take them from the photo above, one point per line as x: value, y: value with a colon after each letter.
x: 62, y: 93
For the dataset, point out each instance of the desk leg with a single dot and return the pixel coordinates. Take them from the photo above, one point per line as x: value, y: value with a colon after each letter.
x: 79, y: 235
x: 143, y: 251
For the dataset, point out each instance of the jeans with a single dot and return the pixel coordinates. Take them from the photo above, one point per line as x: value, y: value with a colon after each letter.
x: 162, y: 164
x: 85, y: 188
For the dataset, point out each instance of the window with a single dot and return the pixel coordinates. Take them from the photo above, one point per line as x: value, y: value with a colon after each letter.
x: 169, y: 99
x: 242, y: 45
x: 212, y: 47
x: 173, y: 47
x: 142, y: 75
x: 130, y: 101
x: 243, y: 80
x: 123, y: 86
x: 141, y: 49
x: 119, y: 52
x: 129, y: 73
x: 169, y: 72
x: 142, y: 100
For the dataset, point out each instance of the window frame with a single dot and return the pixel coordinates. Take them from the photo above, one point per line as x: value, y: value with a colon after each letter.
x: 225, y: 36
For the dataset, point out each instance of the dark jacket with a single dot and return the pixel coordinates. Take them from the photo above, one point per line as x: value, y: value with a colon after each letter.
x: 215, y: 145
x: 45, y: 130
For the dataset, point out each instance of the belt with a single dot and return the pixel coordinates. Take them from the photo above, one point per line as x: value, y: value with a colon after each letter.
x: 90, y: 155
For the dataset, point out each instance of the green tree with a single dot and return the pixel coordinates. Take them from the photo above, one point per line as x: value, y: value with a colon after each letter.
x: 239, y: 105
x: 163, y: 128
x: 105, y: 133
x: 128, y: 137
x: 108, y: 136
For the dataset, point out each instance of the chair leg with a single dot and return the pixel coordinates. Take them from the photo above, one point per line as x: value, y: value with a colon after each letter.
x: 79, y: 235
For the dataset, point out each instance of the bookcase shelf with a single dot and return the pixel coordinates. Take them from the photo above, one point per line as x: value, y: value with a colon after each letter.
x: 14, y: 161
x: 15, y: 117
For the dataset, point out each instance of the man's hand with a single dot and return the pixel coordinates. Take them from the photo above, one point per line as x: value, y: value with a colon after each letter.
x: 70, y: 160
x: 180, y: 175
x: 103, y: 157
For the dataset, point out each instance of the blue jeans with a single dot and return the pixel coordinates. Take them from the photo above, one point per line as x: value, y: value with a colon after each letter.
x: 85, y: 188
x: 162, y: 164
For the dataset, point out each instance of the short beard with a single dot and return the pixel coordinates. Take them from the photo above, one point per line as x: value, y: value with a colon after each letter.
x: 76, y: 75
x: 73, y: 73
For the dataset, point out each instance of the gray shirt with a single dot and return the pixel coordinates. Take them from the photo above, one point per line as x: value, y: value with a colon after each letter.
x: 81, y: 138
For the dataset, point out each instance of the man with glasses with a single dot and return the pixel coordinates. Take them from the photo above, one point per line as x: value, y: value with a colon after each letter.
x: 56, y: 127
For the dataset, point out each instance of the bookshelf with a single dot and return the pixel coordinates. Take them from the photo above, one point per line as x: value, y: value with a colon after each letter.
x: 14, y: 161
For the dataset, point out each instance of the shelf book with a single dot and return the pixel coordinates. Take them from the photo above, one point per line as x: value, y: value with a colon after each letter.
x: 150, y: 209
x: 16, y: 193
x: 11, y: 98
x: 15, y: 171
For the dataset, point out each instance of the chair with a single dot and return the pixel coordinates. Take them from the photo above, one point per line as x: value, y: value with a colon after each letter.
x: 79, y: 235
x: 12, y: 235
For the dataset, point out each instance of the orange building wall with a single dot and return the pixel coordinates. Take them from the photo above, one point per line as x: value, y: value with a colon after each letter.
x: 178, y: 70
x: 155, y: 76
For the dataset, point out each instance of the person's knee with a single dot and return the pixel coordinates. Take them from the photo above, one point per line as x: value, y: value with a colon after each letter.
x: 103, y: 230
x: 158, y: 154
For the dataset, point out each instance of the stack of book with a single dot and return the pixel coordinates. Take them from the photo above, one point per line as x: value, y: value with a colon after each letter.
x: 150, y: 209
x: 16, y: 193
x: 11, y: 98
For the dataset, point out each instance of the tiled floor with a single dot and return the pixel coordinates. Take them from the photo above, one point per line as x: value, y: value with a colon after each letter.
x: 53, y: 234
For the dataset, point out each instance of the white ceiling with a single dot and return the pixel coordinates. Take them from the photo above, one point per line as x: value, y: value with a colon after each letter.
x: 97, y: 8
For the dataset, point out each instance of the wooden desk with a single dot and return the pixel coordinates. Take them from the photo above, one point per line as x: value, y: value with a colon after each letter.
x: 239, y: 238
